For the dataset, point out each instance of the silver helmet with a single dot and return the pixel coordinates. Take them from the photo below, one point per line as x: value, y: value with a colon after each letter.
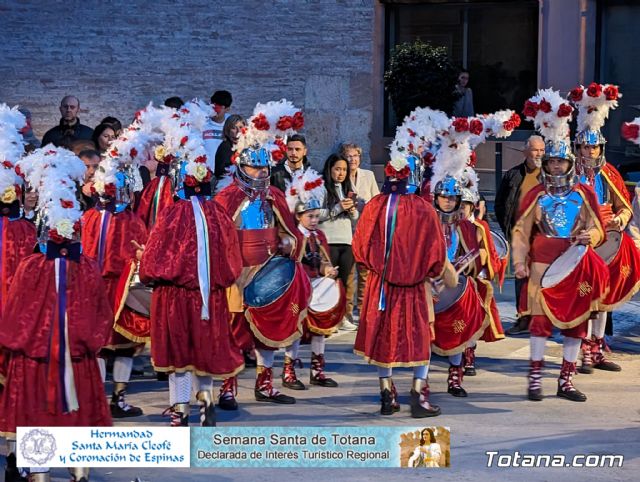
x: 562, y: 184
x: 589, y: 137
x: 448, y: 186
x: 256, y: 156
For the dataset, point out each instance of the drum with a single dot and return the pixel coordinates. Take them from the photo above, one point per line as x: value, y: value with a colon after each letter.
x: 276, y: 299
x: 609, y: 249
x: 460, y: 317
x: 563, y: 266
x: 501, y: 244
x: 572, y: 286
x: 139, y: 297
x: 327, y: 307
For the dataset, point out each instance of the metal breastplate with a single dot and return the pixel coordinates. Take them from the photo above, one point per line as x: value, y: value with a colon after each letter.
x: 256, y: 214
x: 560, y: 215
x: 453, y: 242
x: 599, y: 186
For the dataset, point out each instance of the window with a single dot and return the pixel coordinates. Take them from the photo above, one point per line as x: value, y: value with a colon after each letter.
x: 497, y: 41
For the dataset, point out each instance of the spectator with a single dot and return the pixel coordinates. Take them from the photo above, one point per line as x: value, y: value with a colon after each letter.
x: 366, y: 187
x: 296, y: 160
x: 337, y: 218
x: 230, y: 134
x: 91, y: 159
x: 115, y: 124
x: 70, y: 129
x: 516, y: 183
x: 103, y: 135
x: 31, y: 141
x: 463, y: 107
x: 174, y: 102
x: 212, y: 131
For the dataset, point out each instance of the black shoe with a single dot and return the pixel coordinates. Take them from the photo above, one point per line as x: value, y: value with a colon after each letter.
x: 386, y: 403
x: 608, y: 366
x: 162, y: 376
x: 295, y: 385
x: 207, y: 410
x: 521, y: 326
x: 457, y: 391
x: 227, y: 403
x: 11, y: 472
x: 279, y: 398
x: 586, y: 369
x: 121, y: 409
x: 323, y: 382
x: 535, y: 395
x: 574, y: 395
x: 469, y: 371
x: 418, y: 411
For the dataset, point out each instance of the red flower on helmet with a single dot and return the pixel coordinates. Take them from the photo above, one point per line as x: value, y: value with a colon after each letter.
x: 133, y: 152
x: 277, y: 155
x: 545, y: 106
x: 298, y: 121
x: 7, y: 164
x: 630, y: 131
x: 461, y: 124
x: 473, y: 159
x: 285, y: 122
x: 389, y: 171
x: 184, y: 140
x: 530, y: 109
x: 191, y: 181
x: 611, y: 92
x: 114, y: 152
x: 508, y: 125
x: 564, y: 110
x: 476, y: 127
x: 65, y: 203
x: 576, y: 94
x: 412, y: 133
x: 428, y: 159
x: 594, y: 89
x: 55, y: 237
x: 200, y: 159
x: 261, y: 123
x: 110, y: 189
x: 515, y: 118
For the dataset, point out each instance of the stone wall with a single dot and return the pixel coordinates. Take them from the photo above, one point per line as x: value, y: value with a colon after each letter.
x: 116, y: 56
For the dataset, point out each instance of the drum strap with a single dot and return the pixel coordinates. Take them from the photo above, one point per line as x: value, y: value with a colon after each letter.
x: 156, y: 200
x: 390, y: 227
x: 202, y: 233
x: 61, y: 391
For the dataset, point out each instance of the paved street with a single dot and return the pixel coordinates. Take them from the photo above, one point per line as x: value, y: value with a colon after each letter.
x: 496, y: 415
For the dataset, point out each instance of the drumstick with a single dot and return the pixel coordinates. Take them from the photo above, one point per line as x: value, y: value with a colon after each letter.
x: 136, y: 245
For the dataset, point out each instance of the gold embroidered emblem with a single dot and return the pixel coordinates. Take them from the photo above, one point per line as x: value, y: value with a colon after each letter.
x: 625, y: 271
x: 584, y: 288
x: 295, y: 309
x: 459, y: 326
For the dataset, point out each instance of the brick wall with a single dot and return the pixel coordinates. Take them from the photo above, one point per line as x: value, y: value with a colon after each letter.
x: 118, y: 55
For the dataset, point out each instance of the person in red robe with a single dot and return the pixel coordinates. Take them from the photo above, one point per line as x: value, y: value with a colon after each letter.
x: 187, y: 258
x: 55, y: 322
x: 615, y: 209
x: 402, y: 257
x: 158, y: 194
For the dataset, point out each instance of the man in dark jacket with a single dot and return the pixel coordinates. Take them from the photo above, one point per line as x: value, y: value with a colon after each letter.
x: 70, y: 129
x: 296, y: 161
x: 516, y: 183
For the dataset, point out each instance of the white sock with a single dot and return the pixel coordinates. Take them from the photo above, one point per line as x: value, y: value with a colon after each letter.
x: 179, y: 387
x: 292, y: 350
x: 317, y: 344
x: 102, y: 366
x: 38, y: 470
x: 455, y: 359
x: 571, y: 349
x: 122, y: 369
x: 537, y: 345
x: 265, y: 358
x: 472, y: 344
x: 421, y: 372
x: 11, y: 446
x: 598, y: 324
x: 384, y: 372
x: 205, y: 383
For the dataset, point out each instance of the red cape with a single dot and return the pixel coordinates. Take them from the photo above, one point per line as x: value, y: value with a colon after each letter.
x: 153, y: 202
x: 18, y: 240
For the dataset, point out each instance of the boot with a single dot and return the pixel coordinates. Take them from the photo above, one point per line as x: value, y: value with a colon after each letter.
x: 228, y: 392
x: 11, y: 471
x: 79, y: 474
x: 207, y: 409
x: 316, y: 375
x: 179, y: 413
x: 470, y: 361
x: 565, y: 386
x: 456, y: 374
x: 264, y: 391
x: 521, y: 327
x: 420, y: 406
x: 599, y: 360
x: 38, y: 477
x: 388, y: 397
x: 535, y: 380
x: 587, y: 362
x: 119, y: 407
x: 289, y: 378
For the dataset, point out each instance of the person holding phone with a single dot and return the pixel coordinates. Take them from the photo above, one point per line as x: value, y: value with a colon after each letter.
x: 337, y: 217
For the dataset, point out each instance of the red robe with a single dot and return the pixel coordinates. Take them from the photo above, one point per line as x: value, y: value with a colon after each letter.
x: 400, y: 335
x: 119, y: 252
x: 155, y: 197
x: 180, y: 340
x: 17, y: 240
x: 28, y: 320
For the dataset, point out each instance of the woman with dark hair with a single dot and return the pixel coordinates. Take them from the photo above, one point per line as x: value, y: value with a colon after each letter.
x: 428, y: 453
x: 103, y: 135
x: 336, y: 218
x: 115, y: 124
x: 230, y: 134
